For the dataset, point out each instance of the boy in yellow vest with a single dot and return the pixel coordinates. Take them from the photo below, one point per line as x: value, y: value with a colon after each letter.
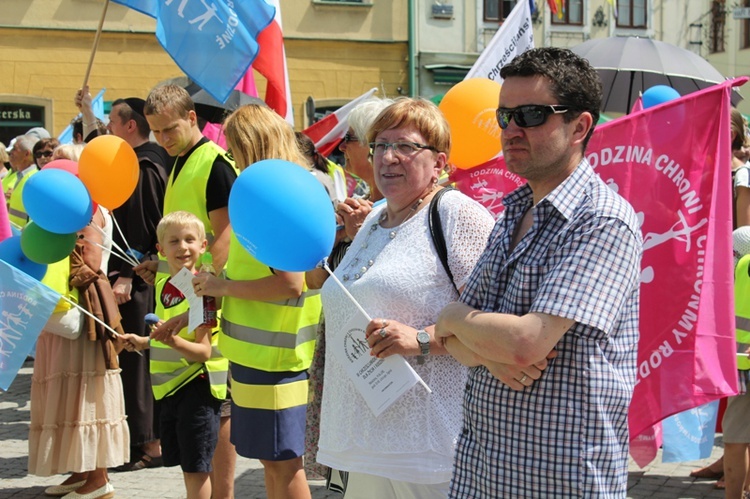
x: 188, y: 375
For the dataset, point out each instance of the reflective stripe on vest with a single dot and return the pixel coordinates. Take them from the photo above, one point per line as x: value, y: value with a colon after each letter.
x: 268, y: 338
x: 270, y: 397
x: 742, y: 310
x: 263, y: 335
x: 170, y: 370
x: 188, y: 191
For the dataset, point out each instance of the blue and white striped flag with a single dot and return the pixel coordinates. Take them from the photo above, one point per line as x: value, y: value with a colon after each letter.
x: 25, y: 306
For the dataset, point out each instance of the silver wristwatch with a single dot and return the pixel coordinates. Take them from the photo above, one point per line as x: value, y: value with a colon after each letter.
x: 423, y: 338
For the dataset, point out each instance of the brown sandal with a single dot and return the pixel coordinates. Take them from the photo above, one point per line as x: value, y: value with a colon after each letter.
x: 706, y: 473
x: 144, y: 462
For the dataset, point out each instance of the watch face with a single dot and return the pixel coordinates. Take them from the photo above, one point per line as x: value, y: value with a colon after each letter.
x: 423, y: 337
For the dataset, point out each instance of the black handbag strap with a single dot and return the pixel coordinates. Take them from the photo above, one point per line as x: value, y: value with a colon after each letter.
x: 436, y: 230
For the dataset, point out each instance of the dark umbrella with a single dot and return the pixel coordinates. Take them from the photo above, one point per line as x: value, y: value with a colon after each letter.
x: 628, y: 66
x: 214, y: 111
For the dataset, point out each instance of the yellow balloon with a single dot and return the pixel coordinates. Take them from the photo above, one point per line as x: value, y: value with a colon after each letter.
x: 108, y: 167
x: 470, y: 108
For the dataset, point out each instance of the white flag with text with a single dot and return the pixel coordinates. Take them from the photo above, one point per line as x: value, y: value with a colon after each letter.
x: 514, y: 37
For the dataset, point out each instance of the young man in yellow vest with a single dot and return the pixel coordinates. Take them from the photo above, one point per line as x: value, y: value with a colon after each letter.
x: 203, y: 173
x: 188, y: 375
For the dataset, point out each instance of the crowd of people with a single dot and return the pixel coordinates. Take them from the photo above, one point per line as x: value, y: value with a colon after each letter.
x: 524, y: 331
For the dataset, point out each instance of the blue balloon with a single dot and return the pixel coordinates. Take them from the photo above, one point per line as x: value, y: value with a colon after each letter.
x: 11, y: 253
x: 282, y: 215
x: 57, y: 201
x: 659, y: 94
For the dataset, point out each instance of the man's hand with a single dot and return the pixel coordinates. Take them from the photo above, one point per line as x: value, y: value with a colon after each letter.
x: 122, y: 289
x: 518, y: 377
x: 147, y: 271
x: 83, y: 99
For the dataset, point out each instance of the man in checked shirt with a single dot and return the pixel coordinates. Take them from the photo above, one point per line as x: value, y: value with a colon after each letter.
x: 560, y: 274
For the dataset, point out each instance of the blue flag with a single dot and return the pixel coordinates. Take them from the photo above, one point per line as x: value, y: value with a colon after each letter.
x: 213, y: 42
x: 25, y: 306
x: 689, y: 435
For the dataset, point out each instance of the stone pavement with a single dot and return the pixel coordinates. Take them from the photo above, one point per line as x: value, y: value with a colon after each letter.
x: 657, y: 481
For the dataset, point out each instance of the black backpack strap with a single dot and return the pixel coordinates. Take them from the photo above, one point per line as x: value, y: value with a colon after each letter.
x: 436, y: 231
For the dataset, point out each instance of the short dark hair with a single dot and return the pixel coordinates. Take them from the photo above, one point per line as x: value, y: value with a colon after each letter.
x: 574, y: 82
x: 52, y: 142
x: 127, y: 113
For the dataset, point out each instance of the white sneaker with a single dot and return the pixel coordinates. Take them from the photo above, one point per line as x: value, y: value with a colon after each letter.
x: 106, y: 491
x: 61, y: 490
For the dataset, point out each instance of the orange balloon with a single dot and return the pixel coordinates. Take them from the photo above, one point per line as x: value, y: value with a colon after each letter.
x: 108, y: 167
x: 470, y: 108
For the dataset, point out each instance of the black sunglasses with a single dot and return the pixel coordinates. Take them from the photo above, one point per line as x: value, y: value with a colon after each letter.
x: 528, y: 116
x: 348, y: 137
x: 46, y: 154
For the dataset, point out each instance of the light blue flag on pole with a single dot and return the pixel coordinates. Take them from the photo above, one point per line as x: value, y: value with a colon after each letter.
x: 97, y: 105
x: 689, y: 435
x: 213, y: 42
x: 25, y: 306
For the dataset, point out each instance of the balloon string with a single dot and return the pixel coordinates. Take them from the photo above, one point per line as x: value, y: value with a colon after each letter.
x: 362, y: 310
x: 95, y: 318
x: 112, y: 253
x: 130, y: 251
x: 129, y: 259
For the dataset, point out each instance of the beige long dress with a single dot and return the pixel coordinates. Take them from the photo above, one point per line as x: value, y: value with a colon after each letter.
x: 78, y: 420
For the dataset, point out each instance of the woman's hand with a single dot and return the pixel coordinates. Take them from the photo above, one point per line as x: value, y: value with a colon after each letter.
x: 163, y: 331
x: 387, y: 337
x: 353, y: 213
x: 207, y: 284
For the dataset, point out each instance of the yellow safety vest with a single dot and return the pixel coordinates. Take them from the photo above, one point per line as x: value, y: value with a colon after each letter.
x: 58, y: 278
x: 742, y: 310
x: 16, y: 211
x: 170, y: 371
x: 338, y: 175
x: 9, y: 180
x: 188, y: 191
x: 269, y: 336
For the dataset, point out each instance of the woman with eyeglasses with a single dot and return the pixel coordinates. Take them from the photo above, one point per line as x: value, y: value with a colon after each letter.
x: 43, y: 151
x: 395, y: 273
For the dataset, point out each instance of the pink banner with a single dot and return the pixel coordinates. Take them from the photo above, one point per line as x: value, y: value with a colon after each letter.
x: 672, y: 162
x: 5, y: 231
x: 215, y: 132
x: 488, y: 183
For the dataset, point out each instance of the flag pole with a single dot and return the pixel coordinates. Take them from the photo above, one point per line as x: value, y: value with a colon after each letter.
x: 96, y: 44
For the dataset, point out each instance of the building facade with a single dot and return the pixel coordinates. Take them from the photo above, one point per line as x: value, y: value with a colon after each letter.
x: 336, y: 50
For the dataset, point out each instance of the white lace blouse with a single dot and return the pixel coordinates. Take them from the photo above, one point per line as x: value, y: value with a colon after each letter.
x: 414, y: 439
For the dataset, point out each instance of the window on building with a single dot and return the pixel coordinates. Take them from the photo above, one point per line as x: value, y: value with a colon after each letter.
x: 572, y: 13
x: 745, y: 28
x: 631, y: 13
x: 498, y: 10
x: 718, y: 23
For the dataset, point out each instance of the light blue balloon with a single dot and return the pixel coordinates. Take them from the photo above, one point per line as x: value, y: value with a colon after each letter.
x: 282, y: 215
x: 12, y: 254
x: 659, y: 94
x: 57, y: 201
